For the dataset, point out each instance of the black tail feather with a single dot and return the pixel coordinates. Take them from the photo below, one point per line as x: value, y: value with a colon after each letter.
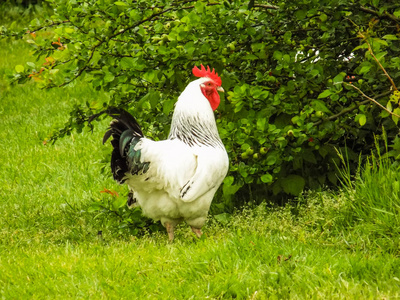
x: 123, y: 129
x: 123, y: 120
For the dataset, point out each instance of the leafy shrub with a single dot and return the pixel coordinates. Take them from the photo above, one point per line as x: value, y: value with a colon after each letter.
x: 293, y: 71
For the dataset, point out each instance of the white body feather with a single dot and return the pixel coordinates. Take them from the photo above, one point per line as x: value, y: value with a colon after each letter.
x: 185, y: 170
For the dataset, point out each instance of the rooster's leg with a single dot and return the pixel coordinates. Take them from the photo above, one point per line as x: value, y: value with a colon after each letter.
x: 170, y: 230
x: 197, y: 231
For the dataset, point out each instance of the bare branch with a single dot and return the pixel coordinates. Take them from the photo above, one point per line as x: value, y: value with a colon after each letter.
x: 379, y: 63
x: 267, y: 6
x: 370, y: 99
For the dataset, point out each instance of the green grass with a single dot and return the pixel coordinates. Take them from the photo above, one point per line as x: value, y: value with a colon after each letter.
x: 342, y: 245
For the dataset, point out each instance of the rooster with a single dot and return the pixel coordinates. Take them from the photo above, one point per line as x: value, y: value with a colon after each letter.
x: 174, y: 180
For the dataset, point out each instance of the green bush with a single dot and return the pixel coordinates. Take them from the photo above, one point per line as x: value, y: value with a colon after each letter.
x: 290, y: 70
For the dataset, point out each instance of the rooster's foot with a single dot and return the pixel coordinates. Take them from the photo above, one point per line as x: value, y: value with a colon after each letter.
x: 170, y: 230
x: 197, y: 231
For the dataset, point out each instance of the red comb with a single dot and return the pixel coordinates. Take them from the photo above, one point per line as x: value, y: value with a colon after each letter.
x: 203, y: 72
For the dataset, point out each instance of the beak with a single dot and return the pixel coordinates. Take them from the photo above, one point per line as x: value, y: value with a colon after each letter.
x: 220, y: 89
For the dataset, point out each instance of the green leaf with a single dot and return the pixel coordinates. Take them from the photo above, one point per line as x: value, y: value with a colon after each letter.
x: 127, y: 63
x: 266, y: 178
x: 309, y: 156
x: 332, y: 177
x: 314, y: 72
x: 300, y: 14
x: 293, y: 184
x: 277, y: 55
x: 362, y: 119
x: 394, y: 118
x: 95, y: 206
x: 118, y: 202
x: 168, y: 106
x: 382, y: 42
x: 323, y: 17
x: 154, y: 98
x: 362, y: 46
x: 229, y: 180
x: 380, y: 55
x: 271, y: 159
x: 323, y: 150
x: 135, y: 15
x: 319, y: 105
x: 69, y: 30
x: 250, y: 57
x: 389, y: 106
x: 390, y: 37
x: 261, y: 122
x: 120, y: 3
x: 339, y: 78
x: 109, y: 77
x: 325, y: 94
x: 19, y: 68
x: 31, y: 64
x: 365, y: 69
x: 223, y: 218
x: 286, y: 58
x: 199, y: 6
x: 228, y: 188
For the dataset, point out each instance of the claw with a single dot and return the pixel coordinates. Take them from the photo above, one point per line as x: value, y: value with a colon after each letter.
x: 197, y: 231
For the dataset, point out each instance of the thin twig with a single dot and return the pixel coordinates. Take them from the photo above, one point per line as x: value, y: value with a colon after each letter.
x: 379, y: 63
x: 371, y: 99
x: 267, y: 6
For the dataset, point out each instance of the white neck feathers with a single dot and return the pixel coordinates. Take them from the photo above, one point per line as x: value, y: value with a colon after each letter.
x: 193, y: 120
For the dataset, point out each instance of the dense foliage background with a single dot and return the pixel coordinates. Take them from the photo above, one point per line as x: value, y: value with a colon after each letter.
x: 293, y: 72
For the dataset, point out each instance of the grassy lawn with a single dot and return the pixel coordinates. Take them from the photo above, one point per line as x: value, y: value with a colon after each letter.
x: 322, y: 248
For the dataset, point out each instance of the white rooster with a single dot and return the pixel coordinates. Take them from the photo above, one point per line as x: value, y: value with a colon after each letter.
x: 174, y: 180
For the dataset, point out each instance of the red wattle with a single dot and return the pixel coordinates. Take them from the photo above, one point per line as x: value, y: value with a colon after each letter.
x: 212, y: 97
